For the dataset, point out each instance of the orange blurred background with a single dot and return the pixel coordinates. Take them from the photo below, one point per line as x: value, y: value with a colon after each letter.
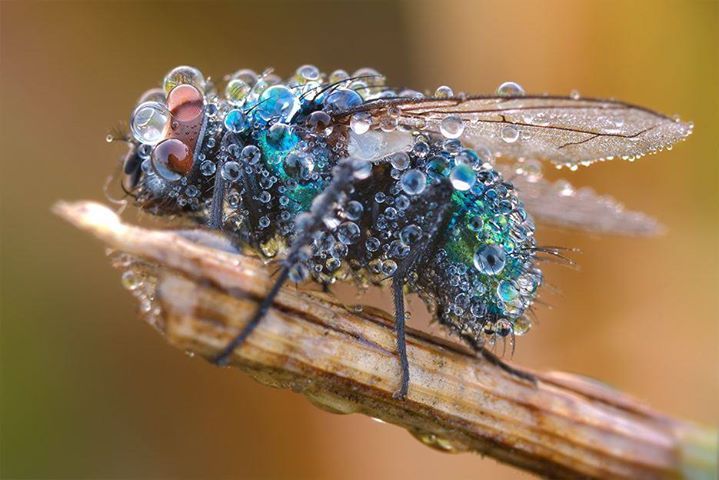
x: 89, y: 391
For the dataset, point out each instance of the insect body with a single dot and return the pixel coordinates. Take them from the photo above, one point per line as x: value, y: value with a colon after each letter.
x: 343, y: 179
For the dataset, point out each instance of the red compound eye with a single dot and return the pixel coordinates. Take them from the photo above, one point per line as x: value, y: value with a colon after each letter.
x: 172, y: 159
x: 185, y: 103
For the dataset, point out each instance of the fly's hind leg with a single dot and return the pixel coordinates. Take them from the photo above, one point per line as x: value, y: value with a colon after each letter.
x: 307, y: 225
x: 498, y: 362
x: 495, y: 360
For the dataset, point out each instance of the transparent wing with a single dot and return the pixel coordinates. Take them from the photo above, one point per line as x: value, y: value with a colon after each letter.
x: 564, y: 130
x: 561, y: 205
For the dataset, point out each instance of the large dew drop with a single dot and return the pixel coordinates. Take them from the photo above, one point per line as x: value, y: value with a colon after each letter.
x: 462, y: 177
x: 490, y: 259
x: 236, y: 91
x: 510, y: 89
x: 184, y: 75
x: 148, y: 122
x: 277, y: 103
x: 413, y: 182
x: 342, y: 99
x: 451, y: 126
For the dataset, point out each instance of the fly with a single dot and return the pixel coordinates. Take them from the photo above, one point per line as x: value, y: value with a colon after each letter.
x: 346, y: 179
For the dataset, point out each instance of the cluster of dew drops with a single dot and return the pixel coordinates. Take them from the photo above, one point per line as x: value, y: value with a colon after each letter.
x: 140, y: 279
x: 285, y: 157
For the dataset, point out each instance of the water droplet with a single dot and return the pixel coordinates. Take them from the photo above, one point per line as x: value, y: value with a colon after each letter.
x: 171, y: 159
x: 338, y: 76
x: 361, y: 169
x: 475, y: 223
x: 389, y: 267
x: 280, y: 137
x: 413, y: 182
x: 360, y: 122
x: 532, y: 169
x: 401, y: 202
x: 277, y: 103
x: 251, y: 154
x: 236, y: 91
x: 438, y: 443
x: 235, y: 121
x: 131, y: 280
x: 462, y: 177
x: 354, y: 210
x: 421, y: 148
x: 264, y: 197
x: 148, y: 122
x: 231, y: 171
x: 348, y: 233
x: 397, y: 249
x: 184, y: 75
x: 342, y: 99
x: 192, y: 191
x: 451, y: 126
x: 299, y: 165
x: 490, y: 259
x: 399, y: 160
x: 332, y: 264
x: 388, y: 124
x: 507, y: 291
x: 437, y: 167
x: 410, y: 234
x: 510, y: 133
x: 522, y: 326
x: 308, y: 72
x: 372, y: 244
x: 510, y: 89
x: 444, y: 92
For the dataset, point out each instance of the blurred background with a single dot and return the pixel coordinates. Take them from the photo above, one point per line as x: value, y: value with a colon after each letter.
x: 89, y: 391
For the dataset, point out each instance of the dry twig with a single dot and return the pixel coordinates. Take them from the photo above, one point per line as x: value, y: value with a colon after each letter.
x: 344, y: 361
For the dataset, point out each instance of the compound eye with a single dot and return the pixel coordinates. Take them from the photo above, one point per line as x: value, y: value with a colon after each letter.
x: 172, y: 159
x: 185, y: 103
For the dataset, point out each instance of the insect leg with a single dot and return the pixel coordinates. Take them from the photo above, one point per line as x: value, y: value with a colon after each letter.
x: 307, y: 225
x: 439, y: 195
x: 399, y: 314
x: 218, y: 198
x: 218, y: 194
x: 495, y: 360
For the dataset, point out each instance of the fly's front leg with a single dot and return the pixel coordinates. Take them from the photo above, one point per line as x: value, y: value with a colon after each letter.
x: 399, y: 321
x: 216, y: 215
x: 307, y: 224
